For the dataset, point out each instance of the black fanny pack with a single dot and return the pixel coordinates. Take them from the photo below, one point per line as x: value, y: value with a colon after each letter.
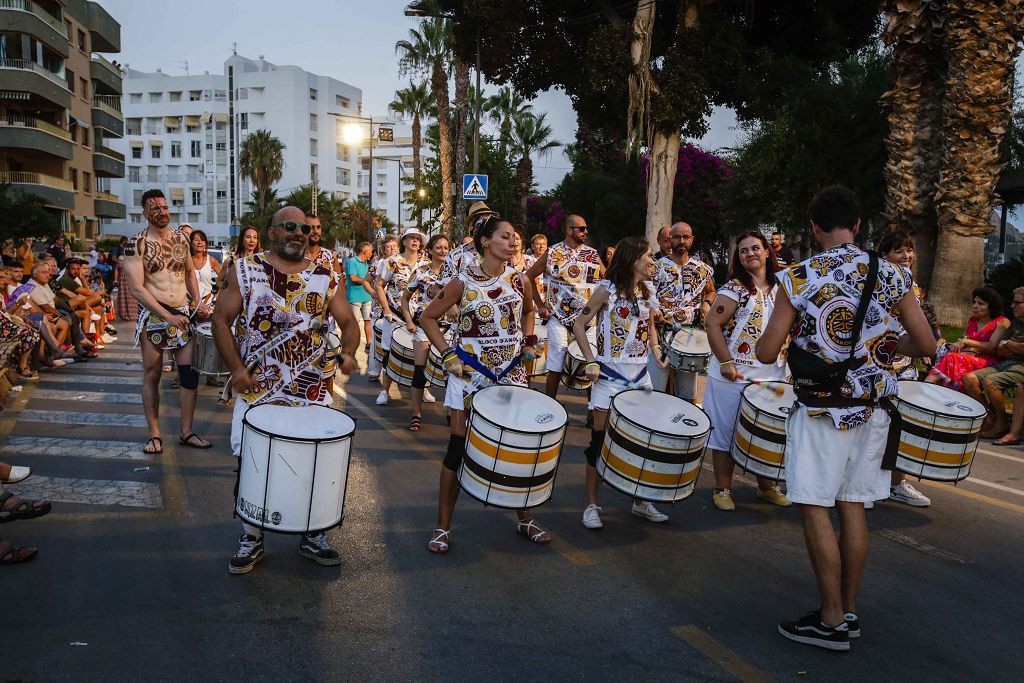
x: 812, y: 374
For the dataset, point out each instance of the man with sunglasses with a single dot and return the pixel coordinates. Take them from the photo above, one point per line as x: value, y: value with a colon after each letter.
x: 571, y: 271
x: 160, y: 273
x: 281, y: 297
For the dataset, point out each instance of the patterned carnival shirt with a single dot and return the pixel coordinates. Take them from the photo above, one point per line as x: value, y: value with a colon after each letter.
x: 571, y: 276
x: 680, y: 287
x: 743, y: 330
x: 623, y: 327
x: 490, y: 314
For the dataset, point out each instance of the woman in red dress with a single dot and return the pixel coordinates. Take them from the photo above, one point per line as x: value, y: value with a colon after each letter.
x: 975, y: 350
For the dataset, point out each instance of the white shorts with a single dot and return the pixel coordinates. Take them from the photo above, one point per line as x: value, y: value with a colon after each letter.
x: 455, y: 393
x: 236, y: 425
x: 558, y: 342
x: 825, y: 465
x: 604, y: 390
x: 721, y: 403
x: 386, y: 332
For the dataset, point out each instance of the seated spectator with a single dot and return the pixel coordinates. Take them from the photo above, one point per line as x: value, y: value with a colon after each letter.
x: 1013, y: 436
x: 976, y: 350
x: 13, y: 508
x: 13, y: 327
x: 989, y: 382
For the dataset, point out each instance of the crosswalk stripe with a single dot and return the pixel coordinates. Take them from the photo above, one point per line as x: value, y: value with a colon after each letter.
x: 100, y: 365
x: 78, y: 448
x: 64, y: 417
x: 50, y: 378
x: 92, y: 396
x: 134, y: 494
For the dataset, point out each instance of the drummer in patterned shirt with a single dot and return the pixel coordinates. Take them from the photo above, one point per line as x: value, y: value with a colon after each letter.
x: 280, y: 298
x: 494, y: 341
x: 685, y: 287
x: 328, y: 258
x: 571, y: 271
x: 388, y: 249
x: 424, y: 285
x: 391, y: 282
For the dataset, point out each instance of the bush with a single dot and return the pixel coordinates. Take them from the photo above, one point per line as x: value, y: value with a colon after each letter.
x: 1005, y: 278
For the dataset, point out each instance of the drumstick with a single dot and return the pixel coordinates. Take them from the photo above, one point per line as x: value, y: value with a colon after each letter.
x: 273, y: 344
x: 778, y: 388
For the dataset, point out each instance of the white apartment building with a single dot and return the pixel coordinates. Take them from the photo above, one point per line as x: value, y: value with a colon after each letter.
x: 393, y: 186
x: 183, y: 135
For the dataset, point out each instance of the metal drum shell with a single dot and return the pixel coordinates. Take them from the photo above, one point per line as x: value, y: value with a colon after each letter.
x: 378, y: 340
x: 686, y: 359
x: 402, y: 359
x: 206, y: 357
x: 538, y: 366
x: 759, y: 441
x: 937, y: 445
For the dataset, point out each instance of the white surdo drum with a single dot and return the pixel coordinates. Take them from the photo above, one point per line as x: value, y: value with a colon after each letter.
x: 206, y: 358
x: 402, y: 359
x: 939, y: 434
x: 538, y: 366
x: 573, y: 373
x: 759, y: 442
x: 378, y: 340
x: 690, y: 350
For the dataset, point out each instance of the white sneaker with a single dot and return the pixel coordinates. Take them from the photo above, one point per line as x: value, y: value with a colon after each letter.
x: 905, y: 493
x: 107, y: 339
x: 382, y: 397
x: 428, y: 397
x: 95, y: 316
x: 592, y: 517
x: 645, y: 509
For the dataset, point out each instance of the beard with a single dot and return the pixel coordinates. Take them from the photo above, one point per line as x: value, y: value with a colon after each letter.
x: 679, y: 251
x: 291, y: 250
x: 315, y: 241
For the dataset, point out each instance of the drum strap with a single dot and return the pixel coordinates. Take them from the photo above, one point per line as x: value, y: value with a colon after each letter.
x: 612, y: 375
x: 892, y: 443
x: 471, y: 360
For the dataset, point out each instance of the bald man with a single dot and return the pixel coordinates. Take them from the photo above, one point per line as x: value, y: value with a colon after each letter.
x: 664, y: 243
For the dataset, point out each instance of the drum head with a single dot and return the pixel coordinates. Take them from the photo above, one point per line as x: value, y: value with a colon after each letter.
x: 308, y: 423
x: 765, y: 397
x: 205, y: 329
x: 379, y: 325
x: 402, y: 336
x: 939, y: 399
x: 520, y: 409
x: 692, y: 341
x: 660, y: 412
x: 574, y: 350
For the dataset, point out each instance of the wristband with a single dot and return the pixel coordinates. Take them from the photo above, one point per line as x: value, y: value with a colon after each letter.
x: 594, y: 362
x: 727, y: 362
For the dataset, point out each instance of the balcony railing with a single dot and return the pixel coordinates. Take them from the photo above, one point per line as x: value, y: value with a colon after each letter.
x: 33, y: 8
x: 27, y: 65
x: 26, y: 178
x: 106, y: 151
x: 17, y: 120
x: 100, y: 59
x: 109, y: 197
x: 108, y: 103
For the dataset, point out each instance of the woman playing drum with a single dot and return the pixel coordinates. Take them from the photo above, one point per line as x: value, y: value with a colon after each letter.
x: 422, y: 288
x: 388, y: 249
x: 624, y: 304
x: 392, y: 277
x: 495, y: 328
x: 734, y: 324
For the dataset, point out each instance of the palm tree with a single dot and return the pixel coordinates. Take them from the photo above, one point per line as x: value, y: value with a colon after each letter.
x: 502, y: 109
x: 461, y: 128
x: 531, y: 136
x: 414, y: 103
x: 430, y: 48
x: 261, y: 159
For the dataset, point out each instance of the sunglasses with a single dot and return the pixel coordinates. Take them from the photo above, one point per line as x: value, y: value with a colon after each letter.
x: 581, y: 228
x: 292, y: 226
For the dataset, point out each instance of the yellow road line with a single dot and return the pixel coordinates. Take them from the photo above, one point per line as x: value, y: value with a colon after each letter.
x: 720, y: 654
x: 1014, y: 507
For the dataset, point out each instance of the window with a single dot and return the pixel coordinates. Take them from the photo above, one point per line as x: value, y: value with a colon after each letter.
x: 86, y: 182
x: 154, y: 151
x: 195, y: 95
x: 178, y: 202
x: 175, y: 96
x: 314, y: 172
x: 81, y: 40
x: 209, y: 146
x: 69, y: 75
x: 133, y: 174
x: 342, y: 102
x: 222, y: 146
x: 136, y: 152
x: 312, y: 147
x: 222, y: 194
x: 73, y: 177
x: 220, y: 95
x: 196, y: 149
x: 137, y: 197
x: 243, y: 121
x: 85, y: 137
x: 339, y: 151
x: 197, y: 197
x: 243, y: 93
x: 83, y: 88
x: 175, y: 150
x: 221, y: 125
x: 156, y: 96
x: 151, y: 173
x: 133, y: 126
x: 312, y: 121
x: 136, y: 218
x: 312, y: 94
x: 191, y: 128
x: 135, y: 97
x: 341, y: 176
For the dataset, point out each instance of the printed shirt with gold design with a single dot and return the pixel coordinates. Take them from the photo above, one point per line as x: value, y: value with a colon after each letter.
x: 423, y: 286
x: 489, y: 320
x: 680, y: 287
x: 743, y: 330
x: 275, y: 302
x: 395, y: 272
x: 458, y: 260
x: 825, y: 290
x: 571, y: 276
x: 371, y: 276
x: 325, y: 257
x: 623, y: 327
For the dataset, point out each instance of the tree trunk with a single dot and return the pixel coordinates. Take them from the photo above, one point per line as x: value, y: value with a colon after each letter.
x: 439, y: 86
x: 982, y: 44
x: 417, y: 140
x: 461, y: 108
x: 524, y: 181
x: 641, y: 85
x: 664, y: 159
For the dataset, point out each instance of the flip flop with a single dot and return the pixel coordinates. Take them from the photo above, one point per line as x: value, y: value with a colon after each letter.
x: 414, y: 423
x: 157, y: 448
x: 1011, y: 442
x: 23, y: 510
x: 188, y: 441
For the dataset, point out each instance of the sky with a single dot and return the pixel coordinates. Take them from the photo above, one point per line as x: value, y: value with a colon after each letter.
x: 351, y: 41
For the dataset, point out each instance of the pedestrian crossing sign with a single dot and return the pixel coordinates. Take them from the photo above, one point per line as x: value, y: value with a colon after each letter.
x: 474, y: 186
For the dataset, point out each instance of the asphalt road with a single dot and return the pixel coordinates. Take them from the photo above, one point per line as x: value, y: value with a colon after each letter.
x: 131, y: 581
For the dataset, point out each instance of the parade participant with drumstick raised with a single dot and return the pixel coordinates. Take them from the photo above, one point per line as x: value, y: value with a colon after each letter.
x: 390, y: 283
x: 282, y: 299
x: 686, y: 287
x: 571, y: 271
x: 838, y: 435
x: 624, y: 305
x: 739, y: 315
x: 161, y: 275
x: 388, y: 249
x: 424, y: 285
x: 495, y: 330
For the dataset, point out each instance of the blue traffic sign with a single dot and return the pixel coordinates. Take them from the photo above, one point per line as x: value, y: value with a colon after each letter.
x: 474, y: 186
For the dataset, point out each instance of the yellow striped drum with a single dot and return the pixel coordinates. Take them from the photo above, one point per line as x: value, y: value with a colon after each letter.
x: 402, y: 359
x: 759, y: 443
x: 940, y: 431
x: 331, y: 355
x: 378, y: 340
x: 538, y: 366
x: 436, y: 373
x: 513, y: 444
x: 574, y: 370
x: 654, y: 445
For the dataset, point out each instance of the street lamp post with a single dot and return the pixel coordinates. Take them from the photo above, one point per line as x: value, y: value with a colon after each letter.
x: 401, y: 177
x: 369, y: 182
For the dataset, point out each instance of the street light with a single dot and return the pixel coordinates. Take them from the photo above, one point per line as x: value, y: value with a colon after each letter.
x: 351, y: 133
x: 398, y: 160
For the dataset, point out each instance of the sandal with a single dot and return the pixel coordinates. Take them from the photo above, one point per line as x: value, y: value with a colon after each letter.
x: 414, y: 423
x: 154, y: 448
x: 436, y: 545
x: 16, y: 554
x: 26, y: 509
x: 30, y: 375
x: 193, y: 441
x: 526, y: 529
x: 1007, y: 442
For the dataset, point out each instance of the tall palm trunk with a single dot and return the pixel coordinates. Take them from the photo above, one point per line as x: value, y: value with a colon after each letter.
x: 524, y: 181
x: 439, y: 86
x: 417, y: 141
x: 461, y: 110
x: 982, y: 45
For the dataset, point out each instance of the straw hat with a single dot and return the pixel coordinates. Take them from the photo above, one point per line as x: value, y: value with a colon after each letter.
x: 477, y: 208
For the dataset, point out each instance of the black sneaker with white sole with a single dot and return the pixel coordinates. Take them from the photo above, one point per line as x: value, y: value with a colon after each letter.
x: 853, y: 624
x: 810, y: 630
x: 316, y: 547
x: 250, y: 551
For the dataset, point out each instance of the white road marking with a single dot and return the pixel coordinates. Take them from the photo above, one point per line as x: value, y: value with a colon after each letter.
x: 90, y: 396
x: 66, y: 418
x: 91, y: 491
x: 993, y: 485
x: 1005, y: 455
x: 920, y: 546
x: 51, y: 378
x: 100, y: 365
x: 77, y: 448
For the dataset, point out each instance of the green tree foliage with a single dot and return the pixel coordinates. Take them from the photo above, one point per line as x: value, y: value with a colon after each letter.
x: 25, y: 215
x: 329, y: 209
x: 261, y: 159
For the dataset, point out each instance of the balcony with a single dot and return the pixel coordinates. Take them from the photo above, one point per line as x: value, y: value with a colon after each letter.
x: 105, y: 32
x: 25, y: 16
x: 18, y: 131
x: 106, y: 114
x: 56, y: 192
x: 107, y: 163
x: 27, y: 76
x: 105, y: 74
x: 107, y: 205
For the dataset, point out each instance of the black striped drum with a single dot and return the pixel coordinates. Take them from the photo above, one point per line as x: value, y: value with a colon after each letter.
x: 378, y: 340
x: 940, y: 431
x: 654, y: 445
x: 402, y: 359
x: 331, y: 355
x: 513, y: 444
x: 759, y: 443
x: 538, y: 366
x: 436, y: 373
x: 574, y: 370
x: 690, y: 350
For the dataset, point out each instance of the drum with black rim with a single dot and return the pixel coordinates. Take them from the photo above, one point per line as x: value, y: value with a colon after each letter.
x: 939, y: 433
x: 689, y: 350
x: 759, y: 442
x: 378, y: 340
x: 206, y: 357
x: 402, y: 359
